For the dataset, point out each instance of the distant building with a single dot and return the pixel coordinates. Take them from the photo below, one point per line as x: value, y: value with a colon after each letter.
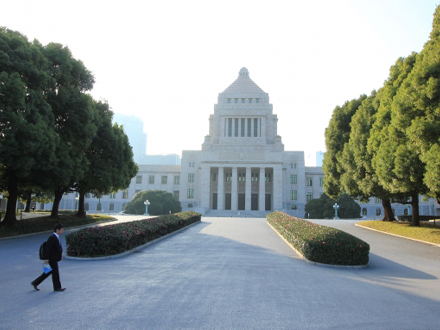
x: 319, y: 158
x: 241, y: 169
x: 134, y: 128
x: 172, y: 159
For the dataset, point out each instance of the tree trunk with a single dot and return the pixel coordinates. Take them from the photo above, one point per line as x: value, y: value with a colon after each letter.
x: 56, y: 204
x: 28, y: 202
x: 415, y: 210
x: 387, y: 210
x: 10, y: 219
x: 81, y: 210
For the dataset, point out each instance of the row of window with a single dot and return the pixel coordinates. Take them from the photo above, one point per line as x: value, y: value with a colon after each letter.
x: 309, y: 181
x: 294, y: 195
x: 241, y: 177
x: 243, y: 127
x: 163, y: 179
x: 243, y: 100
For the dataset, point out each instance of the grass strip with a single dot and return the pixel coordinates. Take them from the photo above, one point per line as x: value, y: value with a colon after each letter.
x: 426, y: 232
x: 41, y: 224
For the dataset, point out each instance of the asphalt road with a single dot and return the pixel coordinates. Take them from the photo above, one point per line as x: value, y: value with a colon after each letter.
x: 225, y: 273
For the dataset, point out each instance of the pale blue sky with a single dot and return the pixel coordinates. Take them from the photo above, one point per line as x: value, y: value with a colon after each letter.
x: 166, y: 61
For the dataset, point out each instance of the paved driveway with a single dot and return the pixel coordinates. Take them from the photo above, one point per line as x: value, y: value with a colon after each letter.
x: 225, y: 273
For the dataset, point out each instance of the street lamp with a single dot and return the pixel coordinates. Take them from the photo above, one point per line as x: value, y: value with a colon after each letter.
x: 146, y: 207
x: 336, y: 207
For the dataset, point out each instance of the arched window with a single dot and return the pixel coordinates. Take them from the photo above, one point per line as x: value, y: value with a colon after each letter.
x: 190, y: 205
x: 86, y: 206
x: 294, y: 207
x: 378, y: 211
x: 405, y: 212
x: 112, y: 207
x: 364, y: 211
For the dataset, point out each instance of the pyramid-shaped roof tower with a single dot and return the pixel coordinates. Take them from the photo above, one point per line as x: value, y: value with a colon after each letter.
x: 243, y: 85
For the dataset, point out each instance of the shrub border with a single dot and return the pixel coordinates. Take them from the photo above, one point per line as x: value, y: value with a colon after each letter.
x: 314, y: 262
x: 137, y: 248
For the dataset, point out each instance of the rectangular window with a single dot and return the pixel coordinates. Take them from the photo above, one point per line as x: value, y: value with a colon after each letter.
x: 293, y: 195
x: 236, y: 127
x: 236, y: 100
x: 309, y: 182
x: 164, y: 179
x: 249, y: 128
x: 229, y: 100
x: 176, y: 179
x: 267, y: 176
x: 257, y: 100
x: 377, y: 200
x: 309, y: 196
x: 151, y: 179
x: 229, y: 127
x: 243, y: 100
x: 321, y: 181
x: 190, y: 177
x: 255, y: 127
x: 190, y: 193
x: 254, y: 177
x: 138, y: 178
x: 243, y: 126
x: 125, y: 194
x: 250, y: 100
x: 228, y: 176
x: 241, y: 177
x: 112, y: 195
x: 293, y: 179
x: 176, y: 194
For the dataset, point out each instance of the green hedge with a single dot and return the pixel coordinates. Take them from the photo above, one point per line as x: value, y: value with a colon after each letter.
x: 320, y: 243
x: 115, y: 239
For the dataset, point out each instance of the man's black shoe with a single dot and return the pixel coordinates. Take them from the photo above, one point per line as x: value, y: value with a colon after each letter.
x: 35, y: 287
x: 60, y: 289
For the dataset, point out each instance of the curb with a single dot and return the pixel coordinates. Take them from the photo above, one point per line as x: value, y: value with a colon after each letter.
x: 137, y: 248
x: 314, y: 262
x: 395, y: 235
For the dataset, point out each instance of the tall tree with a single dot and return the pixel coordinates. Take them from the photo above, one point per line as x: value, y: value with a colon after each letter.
x: 418, y: 107
x: 27, y: 137
x: 74, y: 114
x: 110, y: 158
x: 337, y: 134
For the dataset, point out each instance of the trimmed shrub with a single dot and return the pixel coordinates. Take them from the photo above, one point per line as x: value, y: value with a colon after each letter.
x: 320, y: 243
x: 115, y: 239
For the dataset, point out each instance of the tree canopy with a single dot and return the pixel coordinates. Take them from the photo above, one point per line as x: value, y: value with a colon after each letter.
x: 322, y: 207
x: 161, y: 202
x: 48, y: 124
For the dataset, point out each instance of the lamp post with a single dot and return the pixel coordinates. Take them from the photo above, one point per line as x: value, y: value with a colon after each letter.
x: 146, y: 207
x: 336, y: 207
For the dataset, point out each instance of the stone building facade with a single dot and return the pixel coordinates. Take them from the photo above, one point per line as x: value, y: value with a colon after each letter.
x: 242, y: 168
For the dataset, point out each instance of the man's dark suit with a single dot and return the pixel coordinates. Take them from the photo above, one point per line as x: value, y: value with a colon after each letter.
x: 54, y: 254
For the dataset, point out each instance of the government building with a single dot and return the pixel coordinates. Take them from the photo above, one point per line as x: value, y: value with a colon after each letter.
x: 242, y: 168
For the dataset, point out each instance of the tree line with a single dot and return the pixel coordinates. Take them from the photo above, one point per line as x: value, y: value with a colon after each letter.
x: 387, y: 144
x: 54, y: 137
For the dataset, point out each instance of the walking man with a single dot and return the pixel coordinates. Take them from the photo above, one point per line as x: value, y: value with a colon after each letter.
x: 54, y: 253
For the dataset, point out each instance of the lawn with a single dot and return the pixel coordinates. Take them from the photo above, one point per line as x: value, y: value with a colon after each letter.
x: 426, y: 232
x: 41, y: 224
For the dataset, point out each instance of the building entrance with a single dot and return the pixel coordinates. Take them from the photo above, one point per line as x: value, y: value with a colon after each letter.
x: 254, y: 202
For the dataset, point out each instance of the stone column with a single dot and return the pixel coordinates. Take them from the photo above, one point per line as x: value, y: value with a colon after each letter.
x: 221, y: 189
x: 262, y: 190
x: 248, y: 190
x: 205, y: 183
x: 234, y: 190
x: 277, y: 187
